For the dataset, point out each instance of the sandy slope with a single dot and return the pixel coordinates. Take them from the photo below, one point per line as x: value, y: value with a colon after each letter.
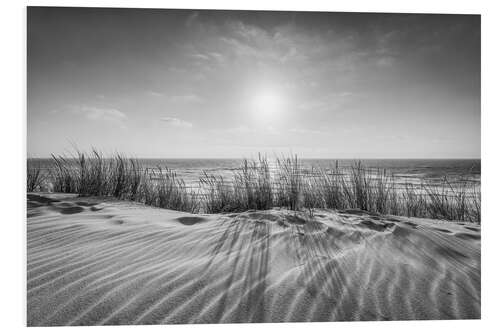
x: 94, y: 262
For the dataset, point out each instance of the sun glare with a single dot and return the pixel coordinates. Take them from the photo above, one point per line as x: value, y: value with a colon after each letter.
x: 267, y: 105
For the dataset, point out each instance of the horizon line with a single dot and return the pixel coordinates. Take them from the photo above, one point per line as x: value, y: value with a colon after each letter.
x: 276, y: 155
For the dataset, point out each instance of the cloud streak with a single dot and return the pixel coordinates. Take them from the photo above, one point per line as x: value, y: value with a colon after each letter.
x: 188, y: 99
x: 92, y: 113
x: 176, y: 122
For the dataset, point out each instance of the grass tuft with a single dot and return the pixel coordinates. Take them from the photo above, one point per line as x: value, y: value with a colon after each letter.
x: 254, y: 186
x: 34, y: 177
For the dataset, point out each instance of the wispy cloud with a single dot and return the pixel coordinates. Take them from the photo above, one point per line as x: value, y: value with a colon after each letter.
x: 155, y: 93
x: 188, y: 98
x: 215, y: 58
x: 92, y: 113
x: 284, y: 44
x: 200, y: 56
x: 176, y: 122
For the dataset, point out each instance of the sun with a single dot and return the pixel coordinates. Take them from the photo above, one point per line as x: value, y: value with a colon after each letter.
x: 267, y: 105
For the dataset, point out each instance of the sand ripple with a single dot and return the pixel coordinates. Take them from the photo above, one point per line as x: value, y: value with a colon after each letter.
x: 97, y: 262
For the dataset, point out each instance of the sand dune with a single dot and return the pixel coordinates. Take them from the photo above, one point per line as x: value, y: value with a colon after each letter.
x: 97, y: 262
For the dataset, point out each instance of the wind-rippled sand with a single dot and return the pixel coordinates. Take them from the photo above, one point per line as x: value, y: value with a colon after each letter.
x: 103, y: 262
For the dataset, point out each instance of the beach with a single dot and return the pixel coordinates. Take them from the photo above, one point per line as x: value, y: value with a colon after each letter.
x: 206, y: 166
x: 102, y: 261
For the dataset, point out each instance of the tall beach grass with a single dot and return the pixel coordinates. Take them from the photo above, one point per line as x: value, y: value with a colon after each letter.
x: 91, y: 174
x: 34, y: 176
x: 255, y: 185
x: 250, y: 188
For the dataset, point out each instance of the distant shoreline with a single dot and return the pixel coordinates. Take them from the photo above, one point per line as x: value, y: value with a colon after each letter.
x: 304, y: 159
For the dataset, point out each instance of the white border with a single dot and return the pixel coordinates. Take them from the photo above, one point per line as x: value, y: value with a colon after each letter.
x: 13, y: 132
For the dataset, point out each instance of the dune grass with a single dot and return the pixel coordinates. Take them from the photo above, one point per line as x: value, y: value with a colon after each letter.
x: 289, y: 183
x: 254, y: 186
x: 162, y: 188
x: 34, y: 176
x: 250, y: 188
x: 64, y: 176
x: 124, y: 178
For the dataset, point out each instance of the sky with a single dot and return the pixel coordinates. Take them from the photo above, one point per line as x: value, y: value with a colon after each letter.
x: 223, y: 84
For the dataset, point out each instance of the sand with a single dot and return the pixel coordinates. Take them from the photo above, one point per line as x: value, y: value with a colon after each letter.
x: 94, y: 261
